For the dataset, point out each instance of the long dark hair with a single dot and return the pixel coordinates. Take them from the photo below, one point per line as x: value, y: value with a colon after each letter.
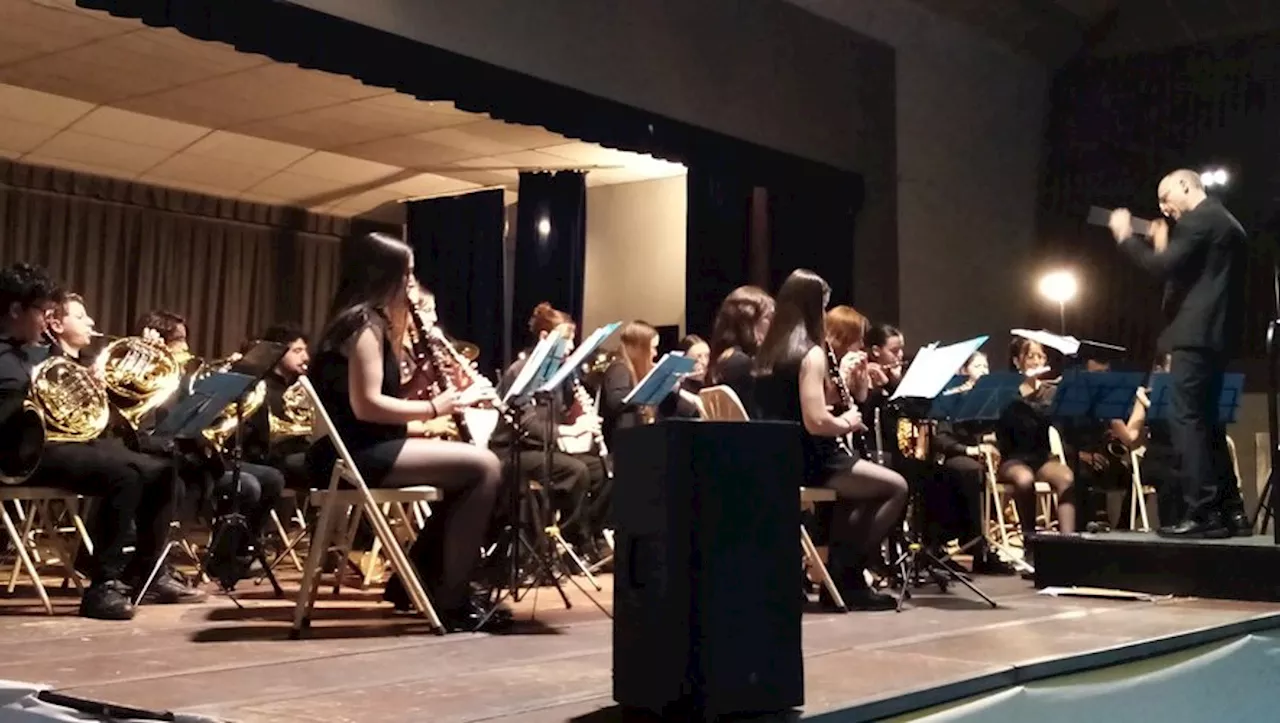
x: 880, y: 334
x: 735, y: 325
x: 798, y: 323
x: 372, y: 288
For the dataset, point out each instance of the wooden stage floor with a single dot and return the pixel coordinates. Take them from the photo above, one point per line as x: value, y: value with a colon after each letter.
x: 363, y: 663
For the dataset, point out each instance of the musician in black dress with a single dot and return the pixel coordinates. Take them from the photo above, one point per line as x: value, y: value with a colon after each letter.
x: 740, y: 326
x: 794, y: 383
x: 1022, y: 435
x: 356, y: 373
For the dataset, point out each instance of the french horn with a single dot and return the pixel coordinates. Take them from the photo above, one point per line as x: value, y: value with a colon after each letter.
x: 297, y: 417
x: 139, y: 375
x: 224, y: 426
x: 65, y: 403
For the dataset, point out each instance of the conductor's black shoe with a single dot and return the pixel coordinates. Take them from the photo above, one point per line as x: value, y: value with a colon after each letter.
x: 108, y: 600
x: 1239, y: 523
x: 1212, y: 527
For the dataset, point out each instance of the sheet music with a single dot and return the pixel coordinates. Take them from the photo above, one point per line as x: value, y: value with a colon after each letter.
x: 531, y: 366
x: 1102, y: 217
x: 1068, y: 345
x: 579, y: 356
x: 671, y: 366
x: 934, y: 367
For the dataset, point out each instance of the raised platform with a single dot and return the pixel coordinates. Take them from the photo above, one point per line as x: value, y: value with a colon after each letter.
x: 364, y: 663
x: 1238, y: 568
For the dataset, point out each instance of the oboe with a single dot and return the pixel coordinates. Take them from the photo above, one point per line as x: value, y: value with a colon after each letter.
x: 849, y: 444
x: 588, y: 407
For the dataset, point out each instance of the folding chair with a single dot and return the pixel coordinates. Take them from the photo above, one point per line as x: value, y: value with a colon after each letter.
x: 38, y: 521
x: 721, y: 404
x: 335, y: 496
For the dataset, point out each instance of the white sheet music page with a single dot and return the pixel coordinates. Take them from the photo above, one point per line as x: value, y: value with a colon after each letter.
x: 1068, y: 345
x: 933, y: 367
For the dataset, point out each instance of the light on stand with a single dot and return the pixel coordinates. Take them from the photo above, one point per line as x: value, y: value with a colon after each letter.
x: 1215, y: 177
x: 1059, y: 287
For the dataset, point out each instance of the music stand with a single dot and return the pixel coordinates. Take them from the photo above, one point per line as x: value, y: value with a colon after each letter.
x: 1229, y: 398
x: 931, y: 372
x: 195, y: 413
x: 661, y: 380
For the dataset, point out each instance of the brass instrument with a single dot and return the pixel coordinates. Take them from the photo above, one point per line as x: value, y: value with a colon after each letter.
x: 914, y: 438
x: 219, y: 433
x: 297, y: 417
x: 24, y: 432
x: 139, y: 375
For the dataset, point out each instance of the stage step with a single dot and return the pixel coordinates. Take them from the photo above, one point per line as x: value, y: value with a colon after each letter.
x: 1239, y: 568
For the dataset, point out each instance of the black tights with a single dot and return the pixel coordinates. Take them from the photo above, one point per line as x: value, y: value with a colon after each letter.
x: 869, y: 502
x: 446, y: 552
x: 1023, y: 478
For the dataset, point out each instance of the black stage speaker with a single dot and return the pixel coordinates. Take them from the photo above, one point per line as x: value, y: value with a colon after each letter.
x: 706, y: 584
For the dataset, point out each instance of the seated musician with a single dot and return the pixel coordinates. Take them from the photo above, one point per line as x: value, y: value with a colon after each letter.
x: 794, y: 383
x: 576, y: 476
x: 208, y: 482
x: 846, y: 335
x: 356, y: 372
x: 287, y: 453
x: 885, y: 346
x: 1159, y: 465
x: 638, y: 351
x: 134, y: 489
x: 1098, y: 460
x: 1022, y: 435
x: 740, y: 326
x: 965, y: 448
x: 697, y: 349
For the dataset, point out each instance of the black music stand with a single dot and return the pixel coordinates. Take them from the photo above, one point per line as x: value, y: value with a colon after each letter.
x: 196, y: 412
x: 916, y: 558
x: 1266, y: 501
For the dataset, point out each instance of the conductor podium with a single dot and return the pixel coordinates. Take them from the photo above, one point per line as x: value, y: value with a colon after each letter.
x: 707, y: 609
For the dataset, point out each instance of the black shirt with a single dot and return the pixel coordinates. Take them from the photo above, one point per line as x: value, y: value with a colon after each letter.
x: 737, y: 371
x: 777, y: 397
x: 1022, y: 431
x: 329, y: 372
x: 16, y: 363
x: 1203, y: 270
x: 614, y: 415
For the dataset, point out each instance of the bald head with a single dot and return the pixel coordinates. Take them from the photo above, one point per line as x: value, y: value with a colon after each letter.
x: 1180, y: 192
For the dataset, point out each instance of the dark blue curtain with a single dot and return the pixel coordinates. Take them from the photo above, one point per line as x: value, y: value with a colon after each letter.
x: 718, y: 246
x: 551, y: 247
x: 457, y: 245
x: 811, y: 225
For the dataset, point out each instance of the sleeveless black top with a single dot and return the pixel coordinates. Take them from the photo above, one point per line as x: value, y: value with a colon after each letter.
x: 374, y: 447
x: 777, y: 397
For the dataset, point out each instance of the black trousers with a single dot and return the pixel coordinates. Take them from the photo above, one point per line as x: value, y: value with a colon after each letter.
x: 260, y: 490
x: 132, y: 489
x: 1208, y: 478
x: 576, y: 488
x: 963, y: 481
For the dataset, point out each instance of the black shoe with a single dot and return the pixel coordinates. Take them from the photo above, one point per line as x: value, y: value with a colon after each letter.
x: 1211, y: 528
x: 468, y: 618
x: 992, y: 565
x: 170, y: 588
x: 107, y: 601
x: 867, y: 599
x: 1239, y: 523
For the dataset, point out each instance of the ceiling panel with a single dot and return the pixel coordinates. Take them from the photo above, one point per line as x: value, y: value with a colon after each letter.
x: 111, y: 96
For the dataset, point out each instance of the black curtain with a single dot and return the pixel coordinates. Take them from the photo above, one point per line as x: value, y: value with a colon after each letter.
x: 457, y: 245
x: 551, y: 246
x: 811, y: 225
x: 718, y: 247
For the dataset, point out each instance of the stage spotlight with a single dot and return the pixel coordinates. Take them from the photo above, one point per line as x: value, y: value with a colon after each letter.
x: 544, y: 227
x: 1059, y: 287
x: 1215, y: 177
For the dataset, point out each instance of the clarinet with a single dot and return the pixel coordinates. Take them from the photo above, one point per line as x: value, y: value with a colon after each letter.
x: 589, y: 407
x: 850, y: 444
x: 432, y: 356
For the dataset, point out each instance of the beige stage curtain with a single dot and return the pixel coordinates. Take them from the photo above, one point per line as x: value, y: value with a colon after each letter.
x: 230, y: 267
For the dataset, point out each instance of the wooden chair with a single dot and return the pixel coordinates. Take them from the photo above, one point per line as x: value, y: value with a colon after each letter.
x: 721, y: 404
x: 339, y: 496
x: 34, y: 506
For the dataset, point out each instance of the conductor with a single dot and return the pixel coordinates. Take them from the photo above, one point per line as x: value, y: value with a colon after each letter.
x: 1202, y: 263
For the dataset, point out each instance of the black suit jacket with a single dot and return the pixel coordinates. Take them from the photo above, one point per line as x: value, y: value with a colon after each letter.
x: 1203, y: 270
